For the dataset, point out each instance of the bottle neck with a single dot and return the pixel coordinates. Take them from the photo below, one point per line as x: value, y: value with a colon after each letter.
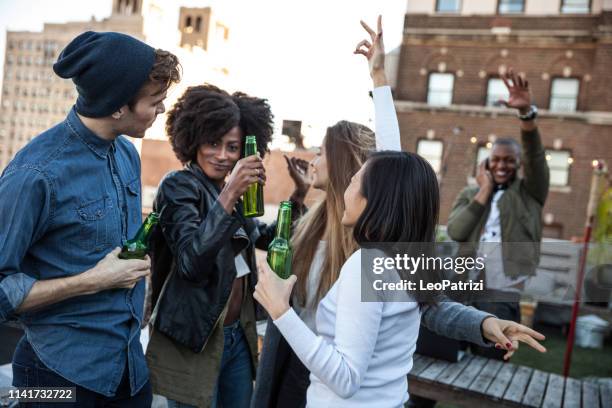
x: 145, y: 229
x: 283, y: 225
x: 250, y: 147
x: 250, y: 150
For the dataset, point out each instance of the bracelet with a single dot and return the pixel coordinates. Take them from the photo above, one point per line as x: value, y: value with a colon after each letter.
x: 531, y: 115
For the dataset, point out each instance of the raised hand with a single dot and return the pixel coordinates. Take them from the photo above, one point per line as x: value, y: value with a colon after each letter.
x: 373, y: 50
x: 247, y: 171
x: 520, y: 97
x: 298, y: 171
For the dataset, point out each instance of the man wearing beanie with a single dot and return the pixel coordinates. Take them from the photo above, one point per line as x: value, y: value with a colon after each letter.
x: 68, y: 200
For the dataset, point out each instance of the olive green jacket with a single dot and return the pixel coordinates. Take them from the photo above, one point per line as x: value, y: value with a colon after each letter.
x: 520, y: 210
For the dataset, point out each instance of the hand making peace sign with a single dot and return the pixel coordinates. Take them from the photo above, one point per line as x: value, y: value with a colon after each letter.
x: 374, y: 51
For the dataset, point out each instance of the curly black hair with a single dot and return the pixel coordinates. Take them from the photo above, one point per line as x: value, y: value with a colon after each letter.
x: 204, y: 113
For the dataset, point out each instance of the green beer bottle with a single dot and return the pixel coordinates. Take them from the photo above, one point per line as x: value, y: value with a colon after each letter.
x: 137, y: 247
x: 252, y: 199
x: 279, y: 251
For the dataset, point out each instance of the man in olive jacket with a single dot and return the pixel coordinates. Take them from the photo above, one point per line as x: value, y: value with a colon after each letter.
x: 505, y: 208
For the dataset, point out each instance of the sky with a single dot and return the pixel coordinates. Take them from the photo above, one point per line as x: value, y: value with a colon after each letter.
x: 296, y: 53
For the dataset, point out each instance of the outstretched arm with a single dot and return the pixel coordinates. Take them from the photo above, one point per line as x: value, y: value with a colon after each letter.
x: 387, y: 126
x: 460, y: 322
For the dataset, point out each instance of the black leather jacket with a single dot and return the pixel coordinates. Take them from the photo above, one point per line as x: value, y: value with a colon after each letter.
x: 193, y: 255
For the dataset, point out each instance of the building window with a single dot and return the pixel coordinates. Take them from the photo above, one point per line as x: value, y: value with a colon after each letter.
x: 510, y: 6
x: 188, y: 21
x: 440, y: 89
x: 431, y: 150
x: 564, y: 94
x: 559, y: 163
x: 198, y: 24
x: 448, y: 6
x: 496, y: 90
x: 575, y: 6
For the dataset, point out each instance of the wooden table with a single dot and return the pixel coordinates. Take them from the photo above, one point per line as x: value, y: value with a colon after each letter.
x: 479, y: 382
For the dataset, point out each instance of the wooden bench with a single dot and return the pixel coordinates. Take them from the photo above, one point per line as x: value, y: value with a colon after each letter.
x: 479, y: 382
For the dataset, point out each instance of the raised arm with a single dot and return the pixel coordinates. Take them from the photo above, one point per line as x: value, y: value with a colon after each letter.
x: 387, y: 126
x: 535, y: 168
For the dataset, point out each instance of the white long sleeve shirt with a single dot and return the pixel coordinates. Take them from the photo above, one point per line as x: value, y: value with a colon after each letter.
x: 362, y: 352
x: 387, y: 127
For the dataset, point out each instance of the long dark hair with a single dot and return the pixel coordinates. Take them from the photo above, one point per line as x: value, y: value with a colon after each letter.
x: 403, y: 200
x: 403, y: 203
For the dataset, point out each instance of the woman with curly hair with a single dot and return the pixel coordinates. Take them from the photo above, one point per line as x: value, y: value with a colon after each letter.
x: 203, y: 344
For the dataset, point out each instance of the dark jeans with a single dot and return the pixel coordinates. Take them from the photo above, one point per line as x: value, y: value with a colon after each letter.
x: 235, y: 383
x: 29, y: 371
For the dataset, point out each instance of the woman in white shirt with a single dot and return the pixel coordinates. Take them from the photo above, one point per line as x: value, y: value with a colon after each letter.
x: 363, y: 350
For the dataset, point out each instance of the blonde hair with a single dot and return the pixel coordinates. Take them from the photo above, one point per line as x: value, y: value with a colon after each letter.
x: 347, y: 145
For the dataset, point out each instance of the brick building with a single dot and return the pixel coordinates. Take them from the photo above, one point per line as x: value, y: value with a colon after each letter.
x: 451, y: 57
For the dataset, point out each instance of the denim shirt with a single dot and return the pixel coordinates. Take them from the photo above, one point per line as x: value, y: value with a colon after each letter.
x: 67, y: 199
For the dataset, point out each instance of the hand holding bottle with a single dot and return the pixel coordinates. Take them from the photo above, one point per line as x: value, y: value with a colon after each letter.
x: 273, y: 292
x: 247, y: 171
x: 114, y: 273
